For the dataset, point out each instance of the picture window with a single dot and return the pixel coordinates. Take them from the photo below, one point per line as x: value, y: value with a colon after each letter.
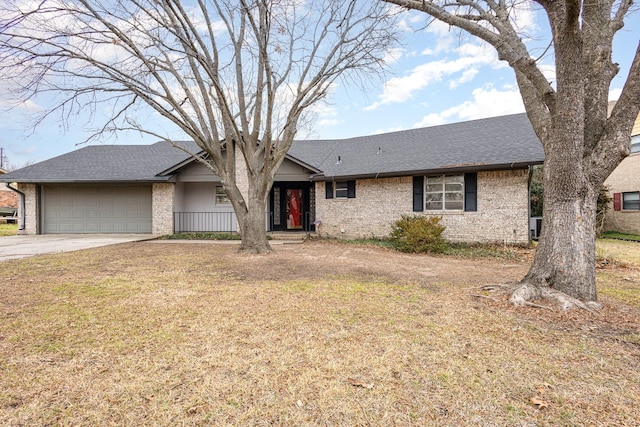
x: 444, y: 193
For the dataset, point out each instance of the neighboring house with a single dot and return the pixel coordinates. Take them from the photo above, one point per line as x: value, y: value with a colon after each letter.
x: 475, y: 175
x: 8, y: 199
x: 624, y: 190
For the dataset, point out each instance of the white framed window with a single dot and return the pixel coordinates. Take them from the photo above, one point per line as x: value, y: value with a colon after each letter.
x: 221, y: 196
x: 342, y: 190
x: 444, y: 193
x: 631, y: 201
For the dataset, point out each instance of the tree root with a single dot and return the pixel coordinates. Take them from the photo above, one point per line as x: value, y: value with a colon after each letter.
x: 255, y: 249
x: 524, y: 293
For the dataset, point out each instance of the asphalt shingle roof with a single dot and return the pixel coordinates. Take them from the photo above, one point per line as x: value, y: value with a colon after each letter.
x: 493, y: 143
x: 105, y: 163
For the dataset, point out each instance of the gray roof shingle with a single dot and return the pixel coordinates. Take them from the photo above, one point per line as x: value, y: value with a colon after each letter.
x: 495, y: 143
x: 105, y: 163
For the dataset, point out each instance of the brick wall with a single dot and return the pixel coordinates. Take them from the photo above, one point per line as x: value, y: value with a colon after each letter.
x: 162, y: 208
x: 626, y: 177
x: 31, y: 209
x: 8, y: 198
x: 502, y: 216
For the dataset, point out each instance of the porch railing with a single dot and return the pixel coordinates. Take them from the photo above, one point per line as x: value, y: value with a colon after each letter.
x: 186, y: 222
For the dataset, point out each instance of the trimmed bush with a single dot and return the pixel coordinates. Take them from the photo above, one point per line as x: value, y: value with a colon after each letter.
x: 418, y: 234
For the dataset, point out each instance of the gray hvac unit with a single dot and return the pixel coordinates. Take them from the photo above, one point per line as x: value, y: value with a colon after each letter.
x: 535, y: 226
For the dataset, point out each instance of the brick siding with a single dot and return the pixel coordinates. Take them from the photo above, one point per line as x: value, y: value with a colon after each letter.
x: 162, y: 208
x: 502, y: 216
x: 626, y: 177
x: 8, y: 198
x: 31, y: 209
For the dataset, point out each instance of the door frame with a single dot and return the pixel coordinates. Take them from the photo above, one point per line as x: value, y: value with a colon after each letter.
x: 278, y: 214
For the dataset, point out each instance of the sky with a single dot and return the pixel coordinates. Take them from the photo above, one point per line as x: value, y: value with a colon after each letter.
x: 436, y: 76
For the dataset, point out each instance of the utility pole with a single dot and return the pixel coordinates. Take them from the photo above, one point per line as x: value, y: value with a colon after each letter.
x: 1, y: 157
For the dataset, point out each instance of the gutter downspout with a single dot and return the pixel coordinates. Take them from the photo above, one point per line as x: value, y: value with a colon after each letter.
x: 22, y: 207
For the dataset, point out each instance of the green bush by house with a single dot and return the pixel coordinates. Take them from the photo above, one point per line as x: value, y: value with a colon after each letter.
x: 418, y: 234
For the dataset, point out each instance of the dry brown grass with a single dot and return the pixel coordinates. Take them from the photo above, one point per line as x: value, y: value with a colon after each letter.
x: 315, y: 334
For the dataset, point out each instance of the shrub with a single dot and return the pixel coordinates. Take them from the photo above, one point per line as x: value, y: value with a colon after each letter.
x: 418, y: 234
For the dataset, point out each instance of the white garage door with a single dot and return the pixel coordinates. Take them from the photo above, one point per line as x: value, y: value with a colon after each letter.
x: 96, y: 209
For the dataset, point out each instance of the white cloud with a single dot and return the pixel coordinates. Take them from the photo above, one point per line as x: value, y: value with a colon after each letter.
x: 393, y: 55
x: 466, y: 77
x: 487, y: 102
x: 401, y: 89
x: 524, y: 18
x: 614, y: 94
x: 392, y: 129
x: 549, y: 71
x: 329, y: 122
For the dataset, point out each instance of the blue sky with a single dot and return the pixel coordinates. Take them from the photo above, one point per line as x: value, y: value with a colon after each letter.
x: 437, y: 76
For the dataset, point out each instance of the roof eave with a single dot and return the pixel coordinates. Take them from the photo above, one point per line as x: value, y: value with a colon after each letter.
x: 202, y: 154
x: 86, y: 181
x: 440, y: 170
x: 303, y: 164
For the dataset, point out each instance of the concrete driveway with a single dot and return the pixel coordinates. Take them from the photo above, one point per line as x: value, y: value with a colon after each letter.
x: 14, y: 247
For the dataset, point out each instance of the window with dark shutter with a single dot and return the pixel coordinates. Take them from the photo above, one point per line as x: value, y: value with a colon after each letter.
x: 328, y: 187
x: 340, y: 189
x: 471, y: 192
x: 418, y: 193
x: 351, y: 189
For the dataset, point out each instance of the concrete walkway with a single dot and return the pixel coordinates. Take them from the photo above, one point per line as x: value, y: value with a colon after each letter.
x: 15, y: 247
x: 226, y: 242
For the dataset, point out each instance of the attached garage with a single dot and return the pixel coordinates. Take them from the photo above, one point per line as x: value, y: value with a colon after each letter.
x: 96, y: 208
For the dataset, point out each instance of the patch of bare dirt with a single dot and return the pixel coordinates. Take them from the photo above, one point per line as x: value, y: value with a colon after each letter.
x: 319, y: 259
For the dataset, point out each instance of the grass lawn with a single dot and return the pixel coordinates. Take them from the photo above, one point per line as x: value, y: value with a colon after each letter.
x: 322, y: 333
x: 8, y: 229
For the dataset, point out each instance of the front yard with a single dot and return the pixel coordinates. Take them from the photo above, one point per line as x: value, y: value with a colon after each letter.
x: 8, y: 229
x: 162, y: 333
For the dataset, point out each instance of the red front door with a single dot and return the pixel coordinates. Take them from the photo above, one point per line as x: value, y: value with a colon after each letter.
x: 294, y: 209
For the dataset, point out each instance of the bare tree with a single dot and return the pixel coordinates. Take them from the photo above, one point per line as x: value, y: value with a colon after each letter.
x: 582, y: 144
x: 237, y: 77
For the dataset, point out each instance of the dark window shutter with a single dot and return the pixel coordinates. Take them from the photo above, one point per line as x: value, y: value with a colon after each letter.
x: 418, y: 193
x: 617, y: 201
x: 471, y: 192
x: 351, y: 189
x: 328, y: 190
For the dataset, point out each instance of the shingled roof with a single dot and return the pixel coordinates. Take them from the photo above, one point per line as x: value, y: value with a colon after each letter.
x: 105, y: 163
x: 504, y: 142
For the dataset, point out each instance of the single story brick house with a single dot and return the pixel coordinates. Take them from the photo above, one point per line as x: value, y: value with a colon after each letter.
x: 624, y: 190
x: 8, y: 199
x: 474, y: 174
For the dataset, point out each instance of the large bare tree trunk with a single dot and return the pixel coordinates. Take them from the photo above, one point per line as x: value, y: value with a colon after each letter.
x: 252, y: 228
x: 564, y: 262
x: 582, y: 143
x: 252, y: 220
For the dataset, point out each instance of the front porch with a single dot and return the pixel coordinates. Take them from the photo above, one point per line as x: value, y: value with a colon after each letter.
x: 291, y: 210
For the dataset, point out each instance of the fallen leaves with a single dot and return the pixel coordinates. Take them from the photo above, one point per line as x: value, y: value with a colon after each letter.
x: 358, y: 383
x: 539, y: 402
